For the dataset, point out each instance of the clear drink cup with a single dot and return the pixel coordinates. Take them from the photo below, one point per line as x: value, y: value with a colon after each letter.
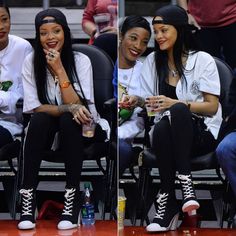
x: 88, y: 130
x: 149, y: 107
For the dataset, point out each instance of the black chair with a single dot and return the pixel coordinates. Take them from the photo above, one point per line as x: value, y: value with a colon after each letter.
x: 8, y: 154
x: 148, y: 160
x: 103, y: 92
x: 108, y: 43
x: 8, y: 173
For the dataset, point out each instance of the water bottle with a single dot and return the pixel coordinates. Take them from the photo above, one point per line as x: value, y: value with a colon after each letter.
x: 87, y: 211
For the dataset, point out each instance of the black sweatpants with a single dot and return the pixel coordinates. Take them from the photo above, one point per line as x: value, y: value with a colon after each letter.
x: 39, y: 138
x: 5, y: 136
x: 175, y: 144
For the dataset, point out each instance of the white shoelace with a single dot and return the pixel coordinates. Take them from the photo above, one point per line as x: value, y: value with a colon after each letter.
x: 187, y: 186
x: 162, y: 200
x: 27, y: 196
x: 69, y: 197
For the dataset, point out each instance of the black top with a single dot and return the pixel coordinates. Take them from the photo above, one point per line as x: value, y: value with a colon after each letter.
x: 170, y: 91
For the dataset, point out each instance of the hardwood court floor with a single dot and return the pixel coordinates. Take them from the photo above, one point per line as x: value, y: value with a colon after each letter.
x: 48, y: 228
x: 140, y: 231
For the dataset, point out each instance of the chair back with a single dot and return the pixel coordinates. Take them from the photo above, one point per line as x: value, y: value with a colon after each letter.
x: 102, y: 73
x: 226, y: 76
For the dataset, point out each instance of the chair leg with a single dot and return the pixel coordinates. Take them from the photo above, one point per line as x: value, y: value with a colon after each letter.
x: 228, y: 206
x: 142, y: 193
x: 9, y: 186
x: 140, y: 190
x: 110, y: 178
x: 15, y: 199
x: 144, y: 197
x: 113, y: 193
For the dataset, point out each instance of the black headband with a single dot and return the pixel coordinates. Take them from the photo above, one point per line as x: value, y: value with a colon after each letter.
x: 48, y: 21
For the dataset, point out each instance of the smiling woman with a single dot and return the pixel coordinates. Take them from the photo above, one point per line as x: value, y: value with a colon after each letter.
x: 58, y: 85
x: 134, y: 36
x: 167, y: 79
x: 10, y: 77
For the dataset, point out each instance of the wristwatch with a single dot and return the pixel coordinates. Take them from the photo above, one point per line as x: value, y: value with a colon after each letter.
x: 65, y: 84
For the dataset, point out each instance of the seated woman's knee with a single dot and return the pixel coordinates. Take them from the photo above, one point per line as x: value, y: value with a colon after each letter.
x: 40, y: 119
x: 179, y: 108
x: 67, y: 119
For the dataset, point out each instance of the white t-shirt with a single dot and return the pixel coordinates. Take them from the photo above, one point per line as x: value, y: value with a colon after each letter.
x: 201, y: 75
x: 11, y: 60
x: 130, y: 81
x: 31, y: 100
x: 85, y: 74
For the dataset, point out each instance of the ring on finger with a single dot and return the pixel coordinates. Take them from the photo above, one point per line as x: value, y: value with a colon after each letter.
x: 51, y: 55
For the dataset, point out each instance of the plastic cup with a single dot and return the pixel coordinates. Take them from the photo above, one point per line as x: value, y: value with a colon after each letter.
x: 102, y: 20
x: 150, y: 112
x: 88, y: 130
x: 149, y: 109
x: 121, y: 212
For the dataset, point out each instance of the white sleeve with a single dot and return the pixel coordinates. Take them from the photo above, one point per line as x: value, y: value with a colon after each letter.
x: 130, y: 128
x: 148, y: 77
x: 31, y: 100
x: 9, y: 98
x: 209, y: 78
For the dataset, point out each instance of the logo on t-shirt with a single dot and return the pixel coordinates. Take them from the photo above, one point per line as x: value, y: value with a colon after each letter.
x: 194, y: 87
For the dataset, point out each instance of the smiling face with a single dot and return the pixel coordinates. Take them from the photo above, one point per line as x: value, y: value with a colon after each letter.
x: 165, y: 35
x: 5, y: 25
x: 51, y: 35
x: 133, y: 45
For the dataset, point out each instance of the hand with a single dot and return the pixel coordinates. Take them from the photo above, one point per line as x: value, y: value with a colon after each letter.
x: 160, y: 103
x: 80, y: 113
x: 128, y: 102
x: 192, y: 21
x: 53, y: 58
x: 108, y: 29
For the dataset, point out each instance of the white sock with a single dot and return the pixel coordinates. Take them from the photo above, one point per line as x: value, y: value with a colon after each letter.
x: 192, y: 213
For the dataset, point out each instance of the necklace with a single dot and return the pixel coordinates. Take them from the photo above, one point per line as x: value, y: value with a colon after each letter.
x: 122, y: 88
x: 174, y: 73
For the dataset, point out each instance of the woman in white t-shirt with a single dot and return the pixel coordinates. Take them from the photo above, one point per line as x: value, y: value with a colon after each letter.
x: 58, y: 91
x: 182, y: 87
x: 135, y: 33
x: 10, y: 77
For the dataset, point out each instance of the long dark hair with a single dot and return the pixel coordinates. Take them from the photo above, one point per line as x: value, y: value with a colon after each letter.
x: 185, y: 43
x: 40, y: 63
